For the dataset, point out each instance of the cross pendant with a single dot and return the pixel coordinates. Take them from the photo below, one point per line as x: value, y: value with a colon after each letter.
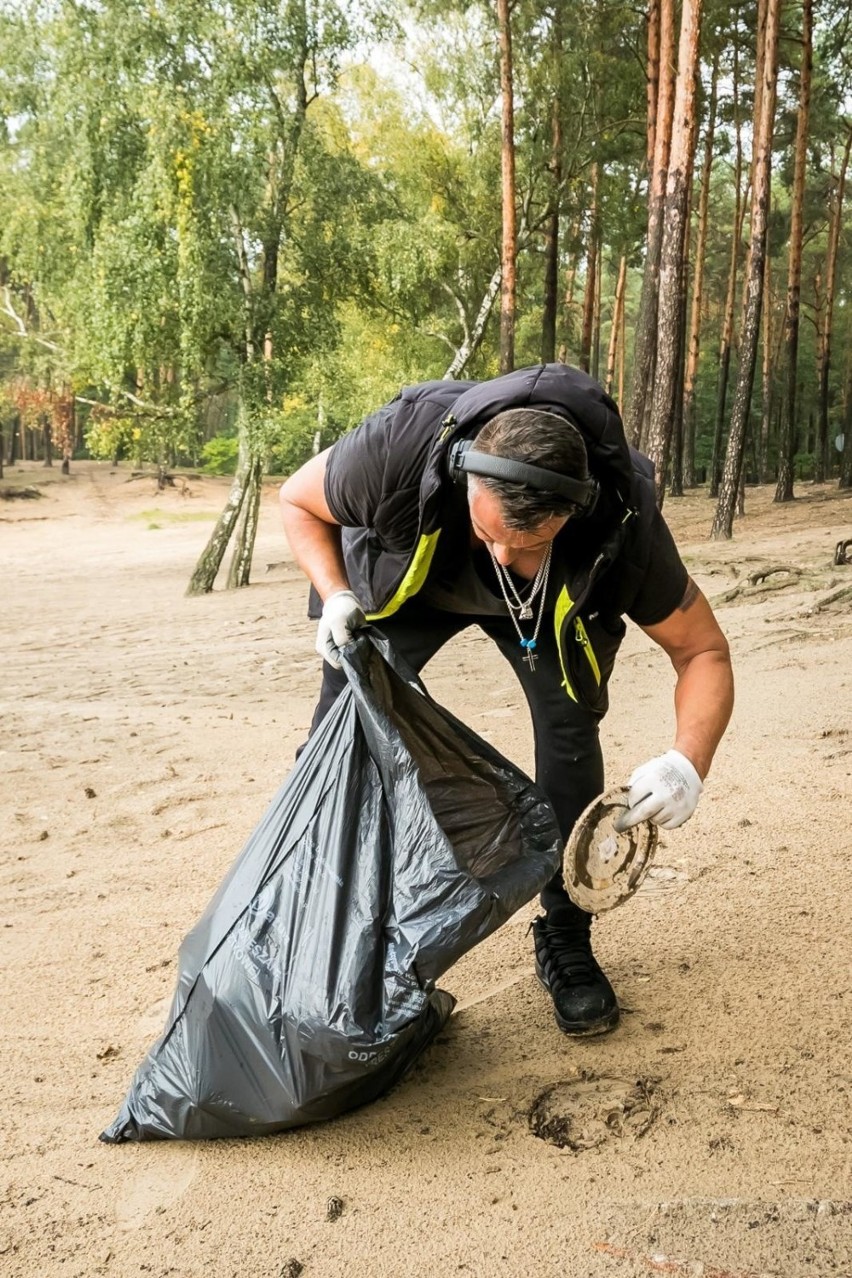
x: 530, y: 658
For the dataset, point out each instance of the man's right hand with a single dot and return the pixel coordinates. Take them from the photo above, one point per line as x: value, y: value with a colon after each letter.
x: 342, y: 615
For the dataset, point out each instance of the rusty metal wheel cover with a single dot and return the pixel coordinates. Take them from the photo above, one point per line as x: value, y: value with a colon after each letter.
x: 602, y: 867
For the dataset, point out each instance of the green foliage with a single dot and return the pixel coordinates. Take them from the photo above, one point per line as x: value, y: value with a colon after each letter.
x: 109, y: 438
x: 219, y: 455
x: 293, y: 435
x: 136, y: 438
x: 294, y: 210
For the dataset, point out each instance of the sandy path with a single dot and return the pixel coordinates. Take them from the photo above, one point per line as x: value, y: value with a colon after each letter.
x: 142, y: 734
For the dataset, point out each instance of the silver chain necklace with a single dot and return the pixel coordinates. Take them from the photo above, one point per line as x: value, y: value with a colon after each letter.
x: 523, y: 607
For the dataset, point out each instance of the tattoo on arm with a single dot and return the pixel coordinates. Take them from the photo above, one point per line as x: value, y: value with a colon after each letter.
x: 689, y: 596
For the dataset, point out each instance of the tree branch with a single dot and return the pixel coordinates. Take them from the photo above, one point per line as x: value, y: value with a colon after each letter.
x: 464, y: 353
x: 461, y: 310
x: 245, y: 280
x: 23, y: 331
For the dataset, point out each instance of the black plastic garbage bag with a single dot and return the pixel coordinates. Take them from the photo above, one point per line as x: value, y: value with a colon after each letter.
x: 399, y: 841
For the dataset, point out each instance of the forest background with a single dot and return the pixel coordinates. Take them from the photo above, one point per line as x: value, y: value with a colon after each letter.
x: 228, y: 231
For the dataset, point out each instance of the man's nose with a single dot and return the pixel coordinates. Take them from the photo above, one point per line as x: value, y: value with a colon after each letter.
x: 503, y: 554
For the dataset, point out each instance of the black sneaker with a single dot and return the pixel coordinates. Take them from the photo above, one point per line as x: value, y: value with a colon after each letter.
x: 584, y: 1002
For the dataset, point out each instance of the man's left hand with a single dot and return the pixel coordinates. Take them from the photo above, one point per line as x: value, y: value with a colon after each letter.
x: 664, y: 791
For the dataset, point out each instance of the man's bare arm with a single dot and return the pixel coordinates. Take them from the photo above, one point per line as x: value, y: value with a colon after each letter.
x: 311, y: 529
x: 704, y: 693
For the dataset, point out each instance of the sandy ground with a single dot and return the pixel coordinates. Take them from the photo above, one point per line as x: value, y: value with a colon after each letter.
x: 142, y: 735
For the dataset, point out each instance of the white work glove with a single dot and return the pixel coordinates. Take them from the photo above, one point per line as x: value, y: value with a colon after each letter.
x: 342, y: 615
x: 664, y: 790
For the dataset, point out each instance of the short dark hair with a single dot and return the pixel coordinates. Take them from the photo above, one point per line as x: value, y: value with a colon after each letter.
x: 539, y: 438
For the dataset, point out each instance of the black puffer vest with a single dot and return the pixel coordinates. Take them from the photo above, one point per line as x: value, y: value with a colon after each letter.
x: 388, y: 562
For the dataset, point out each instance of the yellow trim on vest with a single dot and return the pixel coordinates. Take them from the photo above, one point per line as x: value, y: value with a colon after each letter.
x: 414, y: 578
x: 563, y: 607
x: 583, y: 638
x: 564, y: 603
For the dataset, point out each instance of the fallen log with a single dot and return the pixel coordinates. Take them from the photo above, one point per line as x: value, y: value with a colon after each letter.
x: 10, y: 492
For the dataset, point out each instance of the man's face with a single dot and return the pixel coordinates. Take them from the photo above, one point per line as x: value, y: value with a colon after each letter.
x: 511, y: 547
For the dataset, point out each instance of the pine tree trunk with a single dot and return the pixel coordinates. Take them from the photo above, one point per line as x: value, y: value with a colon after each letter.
x: 845, y: 480
x: 551, y: 234
x: 787, y: 444
x: 567, y: 318
x: 622, y: 344
x: 766, y: 396
x: 670, y: 312
x: 694, y: 343
x: 596, y: 318
x: 551, y: 287
x: 652, y: 81
x: 730, y: 303
x: 617, y: 307
x: 835, y: 227
x: 677, y: 445
x: 729, y: 488
x: 645, y: 346
x: 507, y: 171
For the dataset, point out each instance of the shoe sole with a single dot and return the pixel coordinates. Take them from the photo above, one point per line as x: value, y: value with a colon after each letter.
x: 581, y: 1029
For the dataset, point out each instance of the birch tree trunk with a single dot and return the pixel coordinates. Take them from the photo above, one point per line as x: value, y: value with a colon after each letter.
x: 591, y: 277
x: 207, y: 568
x: 787, y: 443
x: 670, y: 310
x: 473, y: 341
x: 240, y: 567
x: 285, y: 123
x: 724, y: 517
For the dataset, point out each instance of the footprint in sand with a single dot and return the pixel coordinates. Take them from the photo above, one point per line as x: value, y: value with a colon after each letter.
x: 158, y: 1189
x: 152, y: 1022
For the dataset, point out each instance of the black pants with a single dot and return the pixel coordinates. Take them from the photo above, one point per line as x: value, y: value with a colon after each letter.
x: 568, y: 759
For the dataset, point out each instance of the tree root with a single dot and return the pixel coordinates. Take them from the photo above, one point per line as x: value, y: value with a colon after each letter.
x: 757, y: 583
x: 833, y: 599
x: 838, y: 600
